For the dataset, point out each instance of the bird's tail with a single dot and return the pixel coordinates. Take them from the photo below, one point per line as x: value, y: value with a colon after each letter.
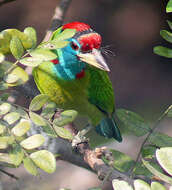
x: 108, y: 128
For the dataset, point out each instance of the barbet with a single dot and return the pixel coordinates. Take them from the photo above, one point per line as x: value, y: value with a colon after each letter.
x: 78, y: 79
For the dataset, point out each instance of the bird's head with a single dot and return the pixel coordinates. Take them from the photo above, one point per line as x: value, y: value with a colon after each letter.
x: 84, y: 48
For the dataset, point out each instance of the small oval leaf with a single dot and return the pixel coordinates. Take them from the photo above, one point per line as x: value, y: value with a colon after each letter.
x: 30, y: 61
x: 38, y: 120
x: 16, y: 47
x: 32, y: 142
x: 4, y: 157
x: 164, y: 157
x: 44, y: 160
x: 157, y: 186
x: 30, y: 166
x: 21, y: 128
x: 63, y: 133
x: 141, y: 185
x: 169, y: 6
x: 121, y: 185
x: 16, y: 155
x: 12, y: 117
x: 38, y: 102
x: 163, y: 51
x: 11, y: 78
x: 4, y: 108
x: 43, y: 54
x: 31, y: 33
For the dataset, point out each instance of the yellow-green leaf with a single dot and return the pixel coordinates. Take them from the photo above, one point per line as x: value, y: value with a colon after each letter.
x: 4, y: 157
x: 38, y: 120
x: 30, y: 166
x: 63, y: 133
x: 166, y: 35
x: 38, y: 102
x: 141, y: 185
x: 3, y: 85
x: 16, y: 47
x: 32, y: 142
x: 2, y: 128
x: 121, y: 185
x: 163, y: 51
x: 11, y: 78
x: 44, y: 160
x: 16, y: 155
x: 157, y: 186
x: 21, y: 128
x: 164, y: 157
x: 2, y: 57
x: 4, y: 108
x: 169, y: 6
x: 30, y: 61
x: 43, y: 54
x: 5, y: 141
x: 49, y: 110
x: 31, y: 33
x: 66, y: 34
x: 12, y: 117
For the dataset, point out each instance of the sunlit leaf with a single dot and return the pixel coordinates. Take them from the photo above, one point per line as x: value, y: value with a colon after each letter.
x: 163, y: 51
x: 157, y: 173
x: 31, y: 33
x: 164, y: 157
x: 66, y: 34
x: 66, y: 117
x: 121, y: 185
x: 38, y: 102
x: 16, y: 47
x: 4, y: 157
x: 16, y: 155
x: 49, y: 110
x: 44, y: 160
x: 157, y: 186
x: 166, y: 35
x: 169, y: 6
x: 148, y: 152
x: 11, y: 117
x: 63, y: 133
x: 4, y: 108
x: 30, y: 61
x: 38, y: 120
x: 43, y: 54
x: 2, y: 128
x: 33, y: 141
x: 141, y: 185
x: 11, y: 78
x: 133, y: 122
x: 5, y: 141
x: 160, y: 139
x: 21, y: 128
x: 54, y: 45
x: 2, y: 57
x: 30, y: 166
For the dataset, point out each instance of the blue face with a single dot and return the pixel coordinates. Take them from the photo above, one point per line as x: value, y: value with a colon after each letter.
x: 69, y: 64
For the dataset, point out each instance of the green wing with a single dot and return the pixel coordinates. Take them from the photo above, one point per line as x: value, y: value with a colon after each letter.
x: 100, y: 90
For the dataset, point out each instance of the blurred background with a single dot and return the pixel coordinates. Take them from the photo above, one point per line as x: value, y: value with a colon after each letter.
x: 141, y: 79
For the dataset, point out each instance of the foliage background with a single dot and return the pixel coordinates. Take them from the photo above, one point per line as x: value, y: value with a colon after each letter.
x: 140, y: 78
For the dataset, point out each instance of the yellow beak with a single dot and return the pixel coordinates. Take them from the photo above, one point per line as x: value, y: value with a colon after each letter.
x: 95, y: 59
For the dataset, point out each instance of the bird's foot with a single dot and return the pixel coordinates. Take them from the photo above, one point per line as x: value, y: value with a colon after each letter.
x: 80, y: 138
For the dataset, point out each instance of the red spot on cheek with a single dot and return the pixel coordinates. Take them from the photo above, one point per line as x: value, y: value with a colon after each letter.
x: 81, y: 74
x: 55, y: 61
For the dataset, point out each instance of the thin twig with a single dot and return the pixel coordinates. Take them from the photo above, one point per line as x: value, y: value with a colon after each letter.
x: 5, y: 2
x: 148, y: 136
x: 58, y: 17
x: 9, y: 174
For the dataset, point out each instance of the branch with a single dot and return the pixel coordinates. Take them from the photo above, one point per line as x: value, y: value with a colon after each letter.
x: 5, y: 2
x: 58, y: 17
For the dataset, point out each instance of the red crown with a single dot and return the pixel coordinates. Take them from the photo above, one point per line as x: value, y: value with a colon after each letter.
x: 79, y: 26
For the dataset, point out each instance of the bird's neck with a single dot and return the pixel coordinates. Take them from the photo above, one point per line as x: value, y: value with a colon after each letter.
x: 75, y: 69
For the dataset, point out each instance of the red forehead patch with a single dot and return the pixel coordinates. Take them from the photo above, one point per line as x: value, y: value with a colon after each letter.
x: 90, y: 41
x: 79, y: 26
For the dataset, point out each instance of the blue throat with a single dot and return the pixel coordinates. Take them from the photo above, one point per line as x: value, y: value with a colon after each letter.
x: 69, y: 65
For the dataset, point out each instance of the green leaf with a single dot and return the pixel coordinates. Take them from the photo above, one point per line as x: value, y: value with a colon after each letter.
x: 166, y: 35
x: 43, y: 55
x: 122, y: 162
x: 121, y: 185
x: 157, y: 186
x: 33, y: 141
x: 21, y: 128
x: 16, y: 155
x: 63, y: 133
x: 164, y: 157
x: 133, y: 122
x: 31, y: 33
x: 160, y: 139
x: 49, y: 110
x: 66, y: 34
x: 44, y: 160
x: 157, y: 173
x: 65, y: 118
x: 163, y: 51
x: 30, y: 166
x: 140, y: 169
x: 11, y: 78
x: 22, y: 113
x: 2, y: 57
x: 148, y: 152
x: 169, y: 24
x: 3, y: 86
x: 141, y: 185
x: 16, y: 47
x: 38, y: 102
x: 5, y: 141
x: 4, y: 96
x: 169, y: 6
x: 30, y: 61
x: 54, y: 45
x: 38, y: 120
x: 2, y: 128
x: 12, y: 117
x: 49, y: 130
x: 4, y: 108
x: 4, y: 157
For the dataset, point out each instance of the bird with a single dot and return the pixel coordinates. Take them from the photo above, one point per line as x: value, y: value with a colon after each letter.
x: 78, y: 79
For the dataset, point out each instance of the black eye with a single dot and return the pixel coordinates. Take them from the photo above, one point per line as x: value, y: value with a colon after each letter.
x: 74, y: 46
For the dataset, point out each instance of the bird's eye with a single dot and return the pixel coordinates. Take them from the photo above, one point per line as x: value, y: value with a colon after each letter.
x: 74, y: 46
